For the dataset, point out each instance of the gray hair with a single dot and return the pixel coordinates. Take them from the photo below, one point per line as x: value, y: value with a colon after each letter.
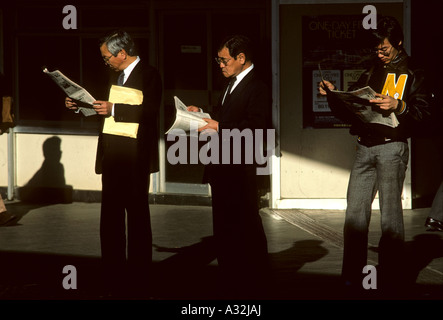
x: 117, y: 41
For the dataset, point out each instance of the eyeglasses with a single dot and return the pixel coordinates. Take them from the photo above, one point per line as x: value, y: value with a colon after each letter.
x: 383, y: 51
x: 106, y: 59
x: 222, y: 60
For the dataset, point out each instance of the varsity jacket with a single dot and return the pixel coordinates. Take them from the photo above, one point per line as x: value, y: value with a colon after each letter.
x: 399, y: 79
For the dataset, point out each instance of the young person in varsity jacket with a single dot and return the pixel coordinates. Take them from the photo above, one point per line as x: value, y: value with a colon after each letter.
x: 382, y: 157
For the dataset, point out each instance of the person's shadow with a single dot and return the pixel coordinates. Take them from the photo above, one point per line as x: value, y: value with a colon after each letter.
x: 48, y: 185
x: 420, y: 252
x: 189, y: 273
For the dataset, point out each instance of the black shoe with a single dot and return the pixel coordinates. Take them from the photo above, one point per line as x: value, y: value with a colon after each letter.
x: 6, y: 217
x: 433, y: 224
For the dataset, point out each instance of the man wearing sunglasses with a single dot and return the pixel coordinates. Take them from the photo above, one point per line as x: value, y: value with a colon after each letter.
x: 382, y: 158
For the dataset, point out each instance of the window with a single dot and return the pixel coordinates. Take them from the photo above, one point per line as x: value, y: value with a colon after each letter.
x: 41, y: 41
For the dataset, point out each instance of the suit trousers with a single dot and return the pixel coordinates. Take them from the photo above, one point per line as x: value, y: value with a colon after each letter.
x: 241, y: 243
x: 126, y: 248
x: 379, y: 168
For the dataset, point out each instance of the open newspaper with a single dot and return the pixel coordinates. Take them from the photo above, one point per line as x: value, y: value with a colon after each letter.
x: 184, y: 118
x: 357, y: 102
x: 74, y: 91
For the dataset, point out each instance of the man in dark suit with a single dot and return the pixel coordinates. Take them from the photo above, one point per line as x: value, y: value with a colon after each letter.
x: 125, y: 164
x: 241, y: 242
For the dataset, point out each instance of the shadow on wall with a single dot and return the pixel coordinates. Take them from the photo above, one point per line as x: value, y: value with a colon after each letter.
x: 48, y: 184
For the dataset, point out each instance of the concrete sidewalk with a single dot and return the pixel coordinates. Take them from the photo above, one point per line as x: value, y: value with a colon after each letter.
x: 305, y: 249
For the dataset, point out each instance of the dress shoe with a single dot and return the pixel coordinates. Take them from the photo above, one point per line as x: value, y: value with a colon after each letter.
x: 6, y: 217
x: 433, y: 224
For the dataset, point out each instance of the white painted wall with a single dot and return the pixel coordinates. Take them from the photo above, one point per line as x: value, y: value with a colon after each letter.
x: 3, y: 160
x: 78, y: 159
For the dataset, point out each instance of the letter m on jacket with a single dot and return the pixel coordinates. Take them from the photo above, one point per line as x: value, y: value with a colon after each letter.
x: 395, y: 88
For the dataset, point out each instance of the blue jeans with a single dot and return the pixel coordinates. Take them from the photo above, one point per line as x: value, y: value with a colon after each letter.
x: 379, y: 168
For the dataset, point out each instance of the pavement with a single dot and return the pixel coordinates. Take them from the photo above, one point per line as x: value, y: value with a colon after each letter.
x: 52, y: 252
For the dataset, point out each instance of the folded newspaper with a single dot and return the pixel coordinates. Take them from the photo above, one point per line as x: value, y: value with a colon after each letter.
x: 130, y: 96
x: 74, y: 91
x: 184, y: 118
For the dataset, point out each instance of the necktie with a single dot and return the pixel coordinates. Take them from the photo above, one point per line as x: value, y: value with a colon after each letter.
x: 228, y: 90
x: 120, y: 79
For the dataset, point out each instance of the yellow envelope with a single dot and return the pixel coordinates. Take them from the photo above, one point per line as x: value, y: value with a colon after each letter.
x: 119, y: 94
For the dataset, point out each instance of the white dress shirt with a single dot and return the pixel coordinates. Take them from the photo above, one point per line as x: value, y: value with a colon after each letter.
x: 126, y: 74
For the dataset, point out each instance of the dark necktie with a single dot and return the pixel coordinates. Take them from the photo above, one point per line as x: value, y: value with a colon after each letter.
x: 120, y: 79
x: 228, y: 90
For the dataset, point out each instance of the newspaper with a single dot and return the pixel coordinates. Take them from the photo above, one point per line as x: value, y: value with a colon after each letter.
x: 184, y: 118
x: 74, y: 91
x: 357, y: 102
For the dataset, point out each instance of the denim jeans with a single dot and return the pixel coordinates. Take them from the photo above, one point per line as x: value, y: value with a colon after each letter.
x: 379, y: 168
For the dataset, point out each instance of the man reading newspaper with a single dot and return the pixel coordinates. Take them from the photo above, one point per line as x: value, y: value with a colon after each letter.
x: 382, y: 157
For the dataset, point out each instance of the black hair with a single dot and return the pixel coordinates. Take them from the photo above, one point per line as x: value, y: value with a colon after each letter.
x: 388, y: 28
x: 237, y: 44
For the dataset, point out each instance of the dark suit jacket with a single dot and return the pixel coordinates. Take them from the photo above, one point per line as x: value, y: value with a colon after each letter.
x: 241, y: 244
x: 144, y: 150
x: 247, y: 108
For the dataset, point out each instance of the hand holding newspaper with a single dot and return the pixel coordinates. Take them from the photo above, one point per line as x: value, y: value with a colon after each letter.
x: 357, y: 102
x: 73, y: 90
x: 184, y: 118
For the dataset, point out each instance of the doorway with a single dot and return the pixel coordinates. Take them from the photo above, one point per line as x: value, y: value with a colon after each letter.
x: 188, y: 43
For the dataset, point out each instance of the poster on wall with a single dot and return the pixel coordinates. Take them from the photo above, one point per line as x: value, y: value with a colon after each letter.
x: 338, y: 44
